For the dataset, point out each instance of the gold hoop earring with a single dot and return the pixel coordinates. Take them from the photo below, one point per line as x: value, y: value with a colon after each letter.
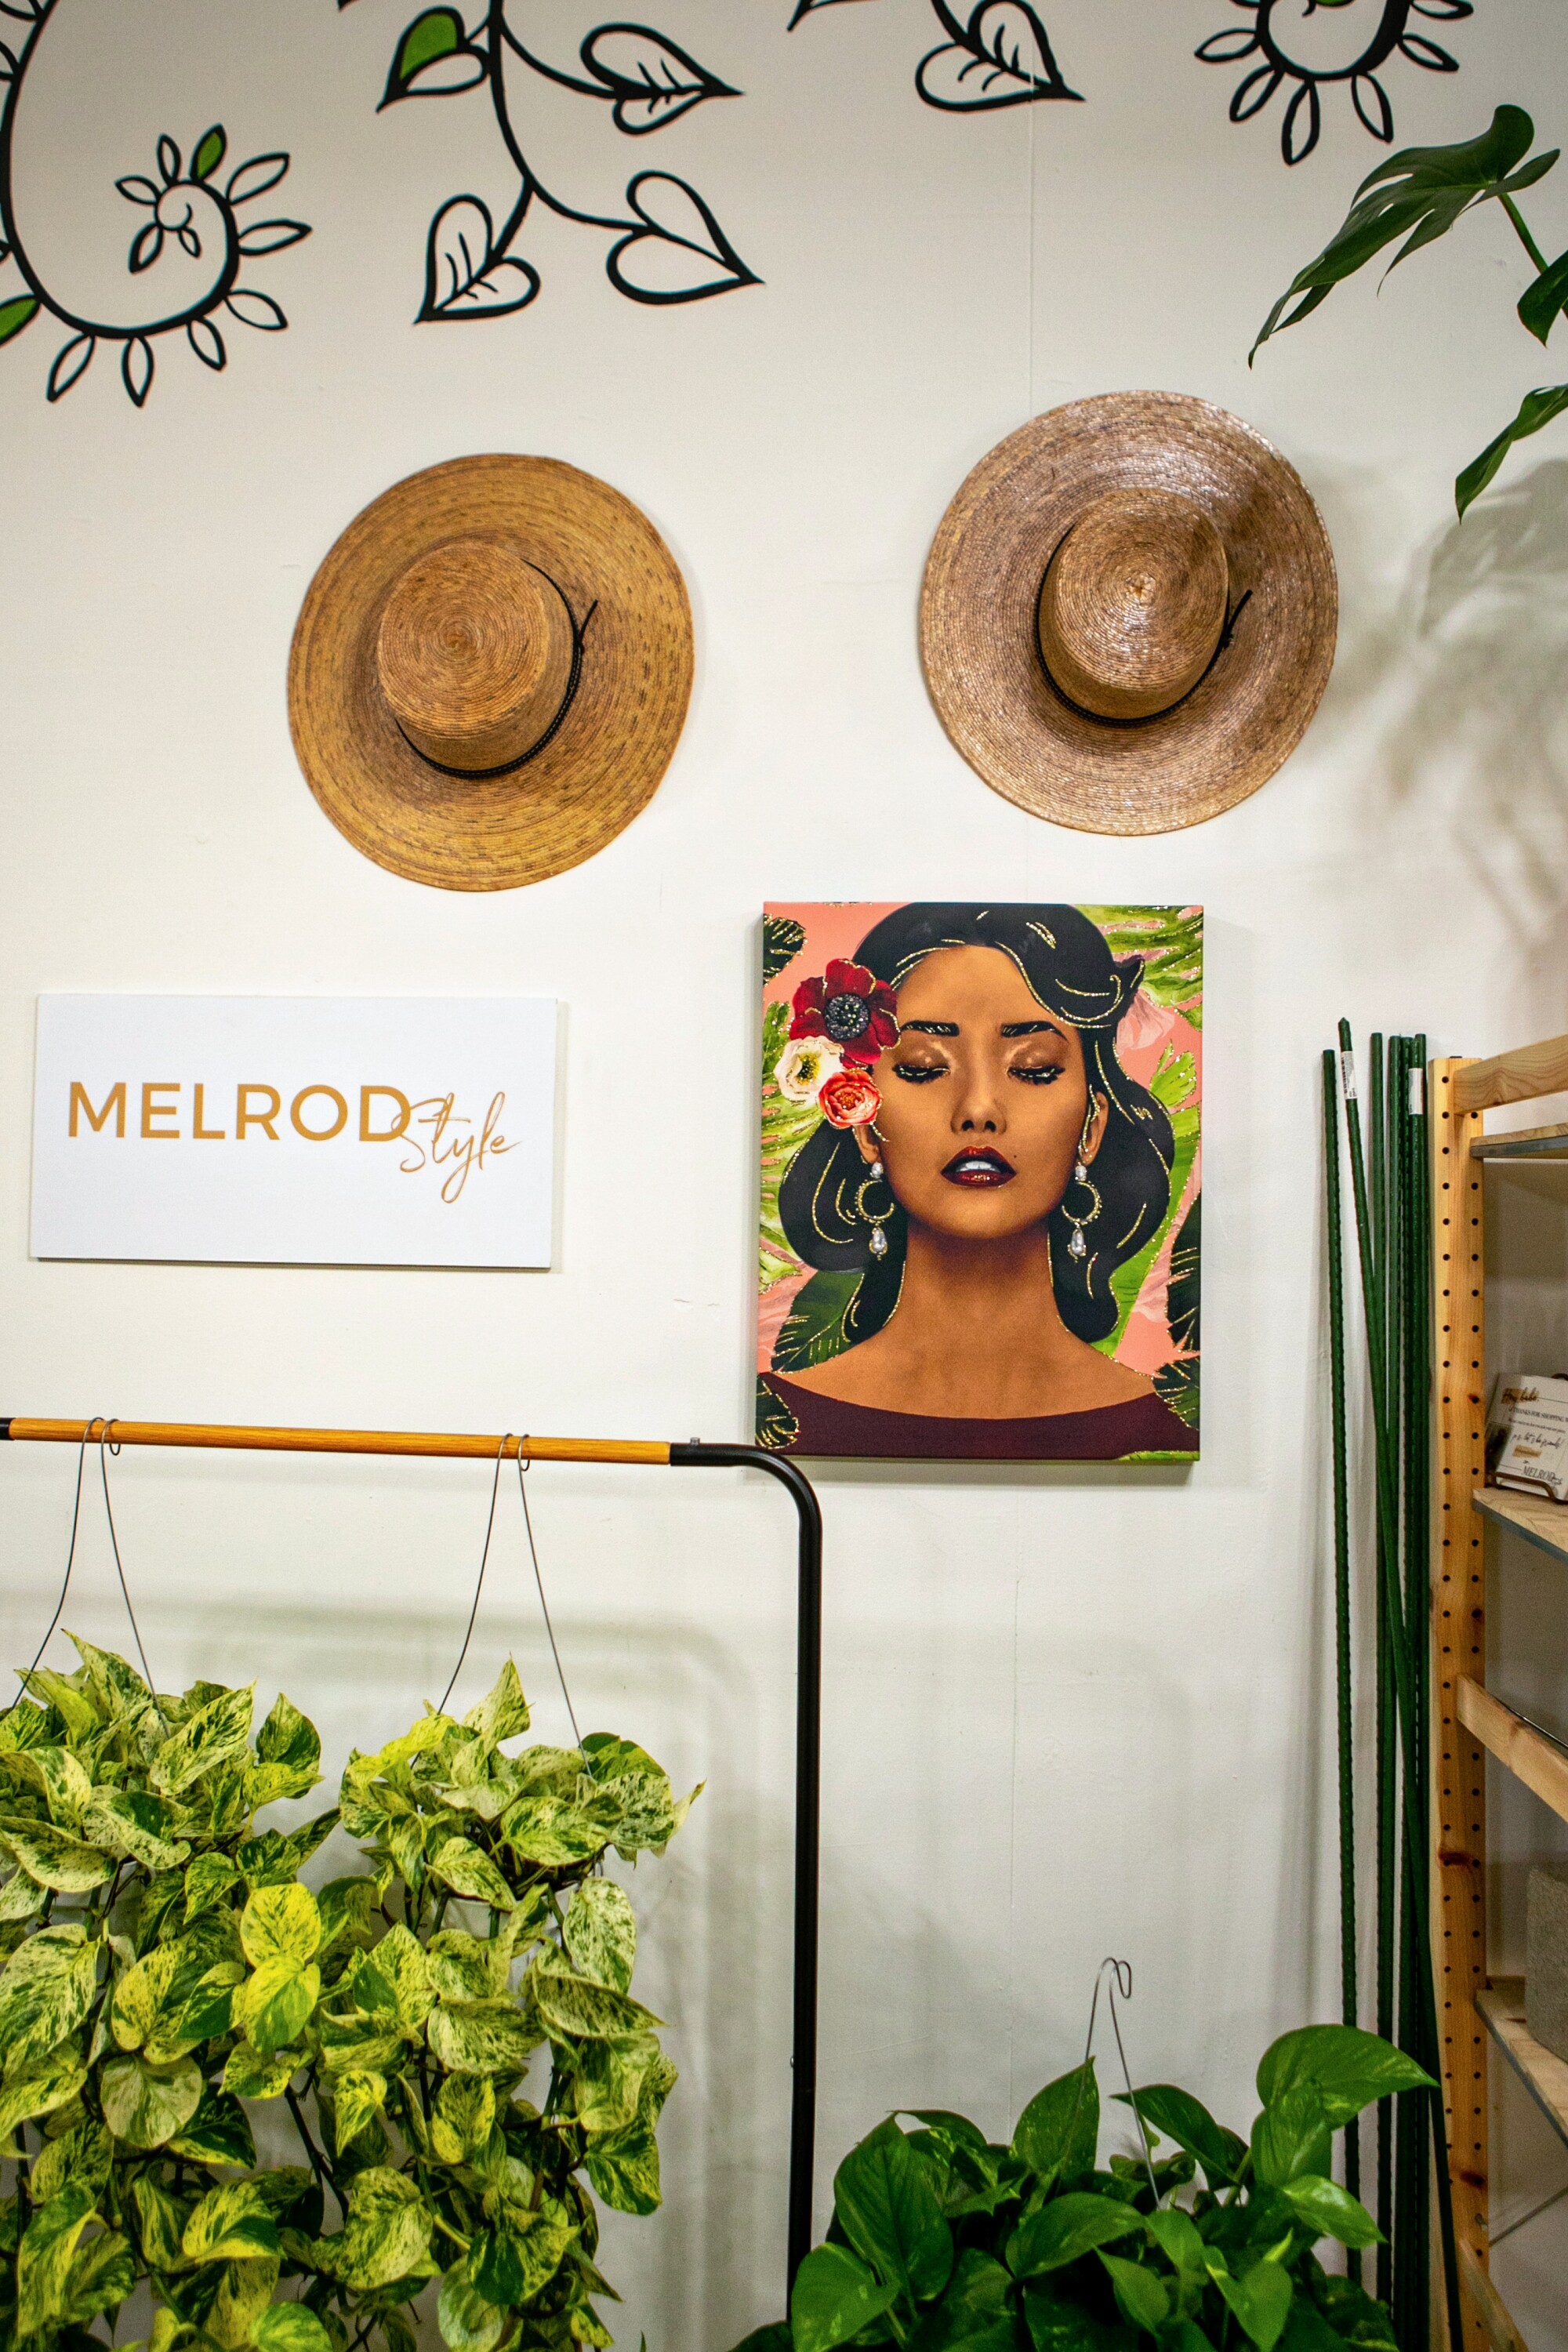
x: 875, y: 1174
x: 1076, y: 1246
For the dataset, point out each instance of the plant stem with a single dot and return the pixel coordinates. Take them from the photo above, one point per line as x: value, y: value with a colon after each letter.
x: 325, y: 2178
x: 1517, y: 218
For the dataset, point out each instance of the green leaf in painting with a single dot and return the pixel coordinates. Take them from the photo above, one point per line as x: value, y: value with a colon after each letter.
x: 1058, y: 2131
x: 1065, y: 2227
x: 814, y: 1330
x: 211, y: 149
x: 889, y: 2213
x: 1188, y: 2121
x: 1347, y: 2067
x: 1182, y: 1292
x: 776, y: 1426
x: 1141, y: 2297
x: 1536, y: 409
x: 433, y: 60
x: 1259, y: 2300
x: 783, y: 939
x: 1331, y: 2212
x: 834, y: 2297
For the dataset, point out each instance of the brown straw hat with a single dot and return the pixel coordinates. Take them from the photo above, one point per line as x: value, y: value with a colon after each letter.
x: 490, y: 671
x: 1129, y: 613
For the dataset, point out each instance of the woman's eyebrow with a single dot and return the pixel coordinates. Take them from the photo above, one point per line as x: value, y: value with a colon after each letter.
x: 1029, y: 1029
x: 930, y: 1028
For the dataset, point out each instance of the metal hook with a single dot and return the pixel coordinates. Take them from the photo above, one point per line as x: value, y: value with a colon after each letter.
x: 1120, y: 1982
x: 105, y: 1447
x: 538, y: 1580
x: 480, y: 1585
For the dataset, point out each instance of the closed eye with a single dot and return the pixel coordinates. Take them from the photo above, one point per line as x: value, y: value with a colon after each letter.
x: 919, y: 1073
x: 1034, y: 1074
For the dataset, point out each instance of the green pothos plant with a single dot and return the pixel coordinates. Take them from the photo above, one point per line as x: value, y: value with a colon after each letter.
x: 167, y: 1972
x: 942, y: 2241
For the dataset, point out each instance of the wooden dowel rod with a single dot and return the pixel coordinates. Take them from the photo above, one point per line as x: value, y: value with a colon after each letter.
x: 335, y: 1441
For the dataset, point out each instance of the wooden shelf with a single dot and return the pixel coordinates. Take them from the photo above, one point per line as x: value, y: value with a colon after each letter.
x: 1532, y: 1758
x: 1538, y: 1519
x: 1525, y: 1143
x: 1493, y: 2313
x: 1543, y: 2077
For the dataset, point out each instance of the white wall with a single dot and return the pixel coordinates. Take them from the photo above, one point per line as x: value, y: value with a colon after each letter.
x: 1068, y: 1712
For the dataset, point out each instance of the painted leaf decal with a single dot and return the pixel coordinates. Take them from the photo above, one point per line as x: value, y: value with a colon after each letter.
x: 271, y: 237
x: 136, y: 190
x: 208, y: 346
x: 210, y: 153
x: 1370, y: 101
x: 653, y: 79
x: 807, y: 8
x: 1004, y: 59
x: 464, y: 277
x: 253, y: 309
x: 681, y: 253
x: 168, y: 161
x: 71, y: 363
x: 435, y: 57
x: 1303, y: 122
x: 253, y: 179
x: 145, y: 246
x: 15, y: 316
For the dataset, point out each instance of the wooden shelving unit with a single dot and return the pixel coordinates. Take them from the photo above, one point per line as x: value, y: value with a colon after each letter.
x: 1473, y: 1722
x: 1545, y: 2077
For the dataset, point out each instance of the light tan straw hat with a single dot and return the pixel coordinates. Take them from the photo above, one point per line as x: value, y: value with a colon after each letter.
x: 490, y: 672
x: 1129, y: 613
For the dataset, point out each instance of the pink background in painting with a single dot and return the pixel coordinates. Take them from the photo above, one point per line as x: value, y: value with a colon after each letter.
x: 1148, y: 1030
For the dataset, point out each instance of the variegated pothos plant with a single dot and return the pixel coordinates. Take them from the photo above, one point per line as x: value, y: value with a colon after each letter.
x: 165, y: 1971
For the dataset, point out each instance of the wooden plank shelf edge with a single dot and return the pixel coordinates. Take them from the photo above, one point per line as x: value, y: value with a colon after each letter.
x: 1494, y: 2315
x: 1522, y: 1143
x: 1544, y: 2077
x: 1529, y: 1756
x: 1540, y: 1522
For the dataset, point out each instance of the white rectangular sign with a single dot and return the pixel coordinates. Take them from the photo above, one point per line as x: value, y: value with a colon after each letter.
x: 295, y: 1130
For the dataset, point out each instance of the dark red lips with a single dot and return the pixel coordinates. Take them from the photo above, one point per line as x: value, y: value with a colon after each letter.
x: 980, y: 1167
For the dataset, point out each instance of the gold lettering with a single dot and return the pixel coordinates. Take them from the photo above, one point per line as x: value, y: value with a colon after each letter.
x: 369, y: 1134
x: 113, y: 1101
x: 244, y: 1117
x: 200, y: 1134
x: 151, y: 1109
x: 319, y: 1134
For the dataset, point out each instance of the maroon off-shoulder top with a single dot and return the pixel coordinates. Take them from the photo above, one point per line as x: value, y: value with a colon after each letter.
x: 824, y: 1426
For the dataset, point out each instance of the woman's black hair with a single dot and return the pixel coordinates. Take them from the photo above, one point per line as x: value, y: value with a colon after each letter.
x: 1068, y: 966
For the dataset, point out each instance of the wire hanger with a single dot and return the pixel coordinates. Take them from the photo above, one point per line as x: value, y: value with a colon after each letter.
x: 106, y: 1446
x: 523, y: 1466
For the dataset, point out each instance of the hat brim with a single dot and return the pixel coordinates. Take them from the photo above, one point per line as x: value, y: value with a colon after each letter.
x: 978, y: 609
x: 606, y: 758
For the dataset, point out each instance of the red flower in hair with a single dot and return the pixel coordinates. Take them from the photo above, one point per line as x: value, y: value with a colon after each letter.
x: 853, y: 1010
x: 850, y: 1099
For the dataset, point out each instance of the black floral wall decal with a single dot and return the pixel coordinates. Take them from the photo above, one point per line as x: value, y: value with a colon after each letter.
x: 669, y: 246
x: 1000, y: 55
x: 1268, y: 37
x: 187, y: 205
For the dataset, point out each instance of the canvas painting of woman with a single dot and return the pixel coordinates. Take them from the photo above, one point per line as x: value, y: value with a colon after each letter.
x: 981, y: 1181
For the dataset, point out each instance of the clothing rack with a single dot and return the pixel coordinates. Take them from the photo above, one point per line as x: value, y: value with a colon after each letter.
x: 694, y: 1456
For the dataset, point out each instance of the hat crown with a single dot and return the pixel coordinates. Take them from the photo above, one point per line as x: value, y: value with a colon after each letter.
x: 1133, y: 603
x: 474, y: 654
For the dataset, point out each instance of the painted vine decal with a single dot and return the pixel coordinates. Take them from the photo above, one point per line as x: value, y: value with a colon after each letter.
x: 1000, y: 55
x: 188, y: 205
x: 669, y: 246
x: 1266, y: 39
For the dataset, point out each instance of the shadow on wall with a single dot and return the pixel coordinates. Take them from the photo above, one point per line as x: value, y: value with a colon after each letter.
x: 1489, y: 714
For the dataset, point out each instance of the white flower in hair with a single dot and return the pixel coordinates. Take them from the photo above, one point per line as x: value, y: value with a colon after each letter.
x: 805, y: 1066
